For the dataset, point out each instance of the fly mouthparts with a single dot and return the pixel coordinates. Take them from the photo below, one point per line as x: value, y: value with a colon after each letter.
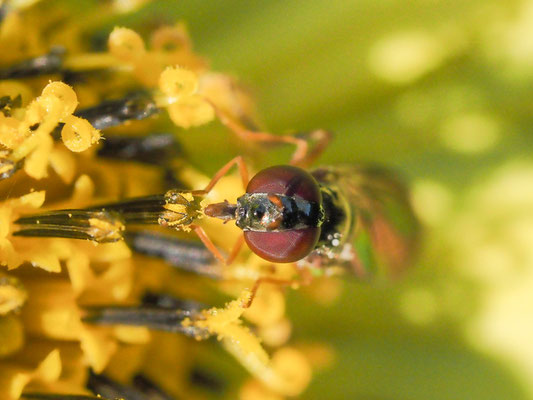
x: 224, y: 211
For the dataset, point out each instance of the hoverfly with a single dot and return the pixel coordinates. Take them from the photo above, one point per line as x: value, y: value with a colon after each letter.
x: 350, y: 216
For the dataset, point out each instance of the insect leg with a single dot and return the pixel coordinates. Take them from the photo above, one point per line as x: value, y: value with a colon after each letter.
x: 266, y: 279
x: 213, y: 249
x: 235, y: 249
x: 302, y: 146
x: 302, y: 156
x: 321, y: 138
x: 243, y: 170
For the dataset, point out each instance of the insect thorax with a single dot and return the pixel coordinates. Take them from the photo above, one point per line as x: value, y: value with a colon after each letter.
x: 337, y: 223
x: 272, y: 212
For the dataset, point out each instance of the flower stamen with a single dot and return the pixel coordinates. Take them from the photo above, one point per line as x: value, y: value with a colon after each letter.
x: 98, y: 226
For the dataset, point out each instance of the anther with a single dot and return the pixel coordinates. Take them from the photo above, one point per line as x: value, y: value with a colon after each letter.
x: 50, y: 63
x: 58, y: 396
x: 151, y: 317
x: 134, y: 106
x: 9, y: 167
x: 186, y: 255
x: 96, y: 225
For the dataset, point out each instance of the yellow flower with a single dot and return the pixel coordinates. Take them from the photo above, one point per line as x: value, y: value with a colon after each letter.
x: 75, y: 313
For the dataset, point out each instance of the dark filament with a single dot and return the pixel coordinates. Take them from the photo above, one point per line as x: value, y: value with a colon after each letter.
x: 7, y: 104
x: 104, y: 386
x: 97, y: 225
x: 152, y: 317
x: 158, y: 149
x: 164, y: 300
x: 55, y: 396
x: 207, y: 380
x: 109, y: 113
x: 9, y: 167
x: 134, y: 106
x: 142, y: 388
x: 105, y: 223
x: 150, y: 210
x: 186, y: 255
x: 50, y: 63
x: 150, y: 389
x: 139, y: 210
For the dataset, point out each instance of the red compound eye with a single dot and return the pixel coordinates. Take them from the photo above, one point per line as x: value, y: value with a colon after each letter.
x: 292, y: 245
x: 287, y: 180
x: 283, y: 247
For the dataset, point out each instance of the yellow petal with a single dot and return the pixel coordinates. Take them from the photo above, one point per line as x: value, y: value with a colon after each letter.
x: 14, y: 378
x: 126, y: 44
x: 12, y: 294
x: 11, y: 334
x: 80, y: 272
x: 178, y: 82
x: 98, y: 347
x: 63, y: 163
x: 45, y: 260
x: 36, y: 163
x: 191, y: 111
x: 132, y: 334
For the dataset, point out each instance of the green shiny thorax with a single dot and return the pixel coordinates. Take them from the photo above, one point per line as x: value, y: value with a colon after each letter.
x: 257, y: 212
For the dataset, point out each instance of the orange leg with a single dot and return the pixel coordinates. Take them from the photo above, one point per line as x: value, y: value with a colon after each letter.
x: 302, y: 156
x: 306, y: 278
x: 223, y: 171
x: 322, y: 138
x: 275, y: 281
x: 213, y: 249
x: 235, y: 250
x: 200, y: 232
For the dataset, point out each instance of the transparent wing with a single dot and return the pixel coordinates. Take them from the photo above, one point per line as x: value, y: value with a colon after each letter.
x: 383, y: 232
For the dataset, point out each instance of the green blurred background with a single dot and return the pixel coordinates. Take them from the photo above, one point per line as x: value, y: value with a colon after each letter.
x: 442, y: 91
